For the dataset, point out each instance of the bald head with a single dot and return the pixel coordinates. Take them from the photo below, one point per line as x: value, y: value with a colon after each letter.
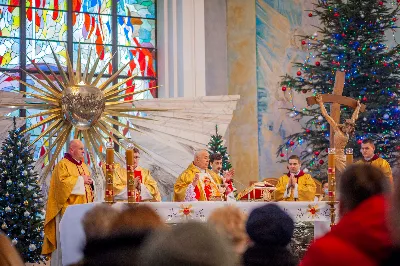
x: 201, y: 159
x: 76, y: 149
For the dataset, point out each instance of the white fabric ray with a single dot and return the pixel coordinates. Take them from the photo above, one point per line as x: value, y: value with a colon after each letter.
x: 172, y: 137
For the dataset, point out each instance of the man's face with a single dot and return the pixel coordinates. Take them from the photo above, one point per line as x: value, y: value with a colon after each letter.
x: 367, y: 150
x: 136, y: 157
x: 294, y: 166
x: 202, y: 160
x: 216, y: 166
x: 77, y: 151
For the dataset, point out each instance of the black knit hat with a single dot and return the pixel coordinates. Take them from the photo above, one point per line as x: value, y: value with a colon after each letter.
x: 270, y: 225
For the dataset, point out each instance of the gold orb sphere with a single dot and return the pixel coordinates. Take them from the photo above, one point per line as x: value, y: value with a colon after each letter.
x: 82, y: 105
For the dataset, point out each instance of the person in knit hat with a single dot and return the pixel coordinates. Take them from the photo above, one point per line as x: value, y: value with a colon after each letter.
x: 270, y: 229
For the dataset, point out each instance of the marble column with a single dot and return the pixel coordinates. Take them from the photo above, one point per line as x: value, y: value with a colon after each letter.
x: 242, y: 80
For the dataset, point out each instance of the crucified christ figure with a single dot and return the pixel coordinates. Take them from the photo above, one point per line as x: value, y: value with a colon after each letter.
x: 342, y: 132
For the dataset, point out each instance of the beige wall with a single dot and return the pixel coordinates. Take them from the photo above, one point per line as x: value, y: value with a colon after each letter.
x: 243, y: 131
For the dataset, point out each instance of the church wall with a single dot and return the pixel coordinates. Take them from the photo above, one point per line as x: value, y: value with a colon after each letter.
x: 277, y: 47
x: 243, y: 133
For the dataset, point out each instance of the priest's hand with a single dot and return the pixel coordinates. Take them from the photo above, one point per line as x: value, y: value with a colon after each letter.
x: 136, y: 183
x: 318, y: 98
x: 228, y: 175
x: 87, y: 180
x: 196, y: 180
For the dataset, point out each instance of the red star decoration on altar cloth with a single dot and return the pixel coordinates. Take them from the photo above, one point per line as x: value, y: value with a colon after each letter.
x: 186, y: 210
x: 313, y: 210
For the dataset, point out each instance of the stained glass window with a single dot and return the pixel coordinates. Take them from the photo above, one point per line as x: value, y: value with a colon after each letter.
x: 29, y: 30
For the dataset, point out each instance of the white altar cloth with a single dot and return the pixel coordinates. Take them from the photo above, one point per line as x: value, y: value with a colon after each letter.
x: 72, y: 236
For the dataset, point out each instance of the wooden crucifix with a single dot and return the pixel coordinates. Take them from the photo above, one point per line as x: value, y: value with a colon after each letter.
x: 336, y: 99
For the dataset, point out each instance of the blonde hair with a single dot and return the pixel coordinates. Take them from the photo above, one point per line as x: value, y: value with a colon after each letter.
x: 98, y: 221
x: 230, y: 221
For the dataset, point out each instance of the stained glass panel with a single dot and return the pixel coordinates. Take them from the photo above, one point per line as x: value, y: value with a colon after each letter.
x: 137, y: 8
x: 46, y: 24
x: 9, y: 21
x: 103, y: 52
x: 10, y: 2
x: 9, y: 52
x: 136, y: 32
x: 92, y: 28
x: 7, y: 83
x: 92, y: 6
x: 48, y: 4
x: 141, y: 61
x: 40, y: 51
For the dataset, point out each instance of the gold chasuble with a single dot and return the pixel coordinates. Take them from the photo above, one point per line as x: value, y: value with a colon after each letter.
x: 120, y: 181
x: 304, y: 190
x: 380, y: 163
x: 206, y: 189
x: 63, y: 180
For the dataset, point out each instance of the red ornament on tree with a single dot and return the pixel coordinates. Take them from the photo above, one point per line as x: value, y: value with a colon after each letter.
x: 283, y: 88
x: 316, y: 153
x: 336, y: 14
x: 394, y: 19
x: 343, y: 35
x: 359, y: 141
x: 380, y: 3
x: 317, y: 63
x: 321, y: 161
x: 304, y: 91
x: 364, y: 99
x: 303, y: 42
x: 282, y: 154
x: 291, y: 143
x: 298, y: 73
x: 310, y: 15
x: 385, y: 64
x: 308, y: 131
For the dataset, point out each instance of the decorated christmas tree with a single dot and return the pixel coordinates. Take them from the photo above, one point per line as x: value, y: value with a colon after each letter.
x: 216, y: 145
x: 21, y: 204
x: 355, y: 37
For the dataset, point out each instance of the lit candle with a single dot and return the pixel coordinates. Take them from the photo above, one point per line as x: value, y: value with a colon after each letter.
x: 349, y: 156
x: 129, y: 174
x: 109, y: 193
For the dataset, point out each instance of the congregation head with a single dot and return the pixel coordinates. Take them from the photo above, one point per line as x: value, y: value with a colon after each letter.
x: 193, y: 243
x: 358, y: 183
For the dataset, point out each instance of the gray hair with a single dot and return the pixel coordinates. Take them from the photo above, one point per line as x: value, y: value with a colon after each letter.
x: 198, y: 152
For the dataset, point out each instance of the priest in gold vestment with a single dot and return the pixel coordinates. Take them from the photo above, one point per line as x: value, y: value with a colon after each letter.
x: 145, y: 179
x: 295, y: 185
x: 70, y: 184
x: 197, y: 183
x: 369, y: 157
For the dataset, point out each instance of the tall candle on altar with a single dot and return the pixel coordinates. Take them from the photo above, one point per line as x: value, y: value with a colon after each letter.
x: 109, y: 193
x: 130, y: 174
x: 332, y: 184
x: 349, y: 156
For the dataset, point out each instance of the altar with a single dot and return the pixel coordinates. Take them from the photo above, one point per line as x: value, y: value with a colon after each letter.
x: 72, y: 236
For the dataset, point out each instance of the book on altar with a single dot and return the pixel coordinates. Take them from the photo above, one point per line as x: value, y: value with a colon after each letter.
x: 263, y: 184
x: 144, y: 194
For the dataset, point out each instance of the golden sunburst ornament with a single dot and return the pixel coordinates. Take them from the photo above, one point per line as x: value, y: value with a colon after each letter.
x: 76, y: 102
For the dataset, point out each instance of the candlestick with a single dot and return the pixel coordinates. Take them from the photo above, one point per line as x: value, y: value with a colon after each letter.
x: 109, y: 193
x: 332, y: 184
x: 349, y: 156
x: 130, y: 174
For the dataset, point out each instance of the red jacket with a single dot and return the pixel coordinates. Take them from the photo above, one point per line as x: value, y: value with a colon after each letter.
x: 360, y: 238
